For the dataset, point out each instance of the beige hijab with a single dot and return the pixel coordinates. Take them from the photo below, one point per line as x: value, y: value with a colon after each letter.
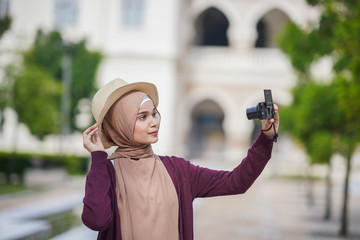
x: 146, y: 196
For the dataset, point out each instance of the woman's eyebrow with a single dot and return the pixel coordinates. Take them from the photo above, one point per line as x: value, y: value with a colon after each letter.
x: 144, y: 112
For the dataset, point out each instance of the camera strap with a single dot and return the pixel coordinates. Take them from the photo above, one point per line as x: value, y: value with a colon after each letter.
x: 276, y: 134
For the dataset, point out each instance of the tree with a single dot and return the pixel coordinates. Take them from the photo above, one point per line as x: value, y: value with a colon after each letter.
x: 48, y: 52
x: 5, y: 24
x: 336, y: 35
x: 37, y: 86
x: 312, y: 119
x: 37, y: 101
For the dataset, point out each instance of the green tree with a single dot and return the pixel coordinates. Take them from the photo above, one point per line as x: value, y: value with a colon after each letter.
x: 48, y: 52
x: 312, y: 119
x: 37, y: 101
x: 5, y: 24
x: 46, y: 56
x: 336, y: 35
x: 36, y: 88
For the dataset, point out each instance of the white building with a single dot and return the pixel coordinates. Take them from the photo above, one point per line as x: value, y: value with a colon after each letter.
x: 138, y: 40
x: 209, y: 59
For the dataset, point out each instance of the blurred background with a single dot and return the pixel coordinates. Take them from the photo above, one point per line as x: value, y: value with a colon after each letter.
x: 211, y: 60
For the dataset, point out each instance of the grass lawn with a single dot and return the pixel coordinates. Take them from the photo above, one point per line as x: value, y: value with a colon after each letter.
x: 11, y: 188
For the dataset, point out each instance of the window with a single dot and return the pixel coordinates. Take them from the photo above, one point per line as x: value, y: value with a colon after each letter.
x: 211, y: 28
x: 268, y: 27
x: 132, y: 13
x: 206, y: 133
x: 4, y: 8
x: 66, y: 13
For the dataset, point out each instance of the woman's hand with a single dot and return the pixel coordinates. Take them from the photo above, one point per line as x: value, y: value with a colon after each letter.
x: 267, y: 124
x: 91, y: 139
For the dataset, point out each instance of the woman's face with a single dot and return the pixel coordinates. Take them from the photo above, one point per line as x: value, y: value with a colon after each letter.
x: 147, y: 124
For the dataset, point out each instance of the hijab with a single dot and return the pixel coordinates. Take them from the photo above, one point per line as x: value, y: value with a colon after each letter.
x: 146, y: 196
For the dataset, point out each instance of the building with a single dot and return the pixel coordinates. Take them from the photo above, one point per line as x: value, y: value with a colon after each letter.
x: 210, y: 60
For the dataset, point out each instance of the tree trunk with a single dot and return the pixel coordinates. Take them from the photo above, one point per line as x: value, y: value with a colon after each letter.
x: 344, y: 214
x: 328, y: 196
x: 12, y: 158
x: 310, y: 187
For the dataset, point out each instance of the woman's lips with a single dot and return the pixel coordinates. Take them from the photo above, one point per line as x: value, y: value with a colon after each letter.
x: 155, y: 133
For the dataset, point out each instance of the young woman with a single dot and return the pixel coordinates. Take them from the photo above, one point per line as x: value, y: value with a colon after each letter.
x: 140, y: 195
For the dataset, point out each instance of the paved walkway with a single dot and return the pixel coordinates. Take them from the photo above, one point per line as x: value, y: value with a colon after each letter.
x: 273, y: 210
x: 270, y: 210
x: 21, y: 214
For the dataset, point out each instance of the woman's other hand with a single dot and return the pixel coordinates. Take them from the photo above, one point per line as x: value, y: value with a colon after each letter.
x: 267, y: 124
x: 91, y: 139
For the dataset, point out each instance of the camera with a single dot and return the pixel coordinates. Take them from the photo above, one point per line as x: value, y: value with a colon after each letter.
x: 264, y: 110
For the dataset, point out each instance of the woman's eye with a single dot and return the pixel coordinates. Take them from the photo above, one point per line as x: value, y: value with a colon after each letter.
x: 154, y: 114
x: 143, y: 117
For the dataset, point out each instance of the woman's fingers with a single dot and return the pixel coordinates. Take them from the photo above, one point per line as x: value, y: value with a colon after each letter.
x: 92, y: 141
x: 91, y: 130
x: 89, y: 136
x: 91, y: 127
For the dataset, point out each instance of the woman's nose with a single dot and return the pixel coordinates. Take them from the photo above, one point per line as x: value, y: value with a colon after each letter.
x: 154, y: 121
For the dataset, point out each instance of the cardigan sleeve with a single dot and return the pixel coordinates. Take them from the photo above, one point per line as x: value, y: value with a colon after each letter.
x: 97, y: 210
x: 207, y: 183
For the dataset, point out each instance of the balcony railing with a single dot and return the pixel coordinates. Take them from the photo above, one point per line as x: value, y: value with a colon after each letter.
x: 224, y: 57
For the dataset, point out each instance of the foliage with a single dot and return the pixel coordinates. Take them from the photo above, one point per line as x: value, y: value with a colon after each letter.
x: 336, y: 35
x: 320, y: 146
x: 303, y: 48
x: 6, y: 93
x: 5, y: 24
x: 47, y: 54
x: 312, y: 116
x: 84, y: 68
x: 348, y: 97
x: 37, y: 101
x: 36, y: 88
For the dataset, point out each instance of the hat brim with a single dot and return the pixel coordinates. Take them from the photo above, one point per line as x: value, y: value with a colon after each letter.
x: 145, y: 87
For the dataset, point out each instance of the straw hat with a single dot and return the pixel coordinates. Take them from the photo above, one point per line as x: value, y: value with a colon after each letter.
x: 112, y: 91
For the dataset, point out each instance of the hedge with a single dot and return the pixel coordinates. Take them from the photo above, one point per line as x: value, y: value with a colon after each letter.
x: 72, y: 164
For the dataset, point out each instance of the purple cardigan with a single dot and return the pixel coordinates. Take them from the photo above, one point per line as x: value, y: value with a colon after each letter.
x: 100, y: 207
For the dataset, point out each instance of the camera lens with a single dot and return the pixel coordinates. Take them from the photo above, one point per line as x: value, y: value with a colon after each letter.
x: 252, y: 113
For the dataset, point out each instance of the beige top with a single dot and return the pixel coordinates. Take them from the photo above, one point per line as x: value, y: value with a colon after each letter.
x: 146, y: 196
x: 147, y: 200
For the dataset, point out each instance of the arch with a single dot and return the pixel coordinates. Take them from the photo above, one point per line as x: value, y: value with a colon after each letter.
x: 206, y: 136
x: 257, y: 10
x: 221, y: 98
x: 261, y: 34
x: 225, y: 7
x: 211, y: 28
x: 268, y: 26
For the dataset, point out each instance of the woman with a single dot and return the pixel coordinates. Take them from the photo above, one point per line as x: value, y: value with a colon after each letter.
x: 141, y: 195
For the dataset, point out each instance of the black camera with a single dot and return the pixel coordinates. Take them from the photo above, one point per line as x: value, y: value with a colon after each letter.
x: 264, y: 110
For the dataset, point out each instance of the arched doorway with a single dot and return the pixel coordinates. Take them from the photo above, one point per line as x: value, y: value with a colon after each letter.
x: 268, y: 27
x: 206, y: 136
x: 211, y: 28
